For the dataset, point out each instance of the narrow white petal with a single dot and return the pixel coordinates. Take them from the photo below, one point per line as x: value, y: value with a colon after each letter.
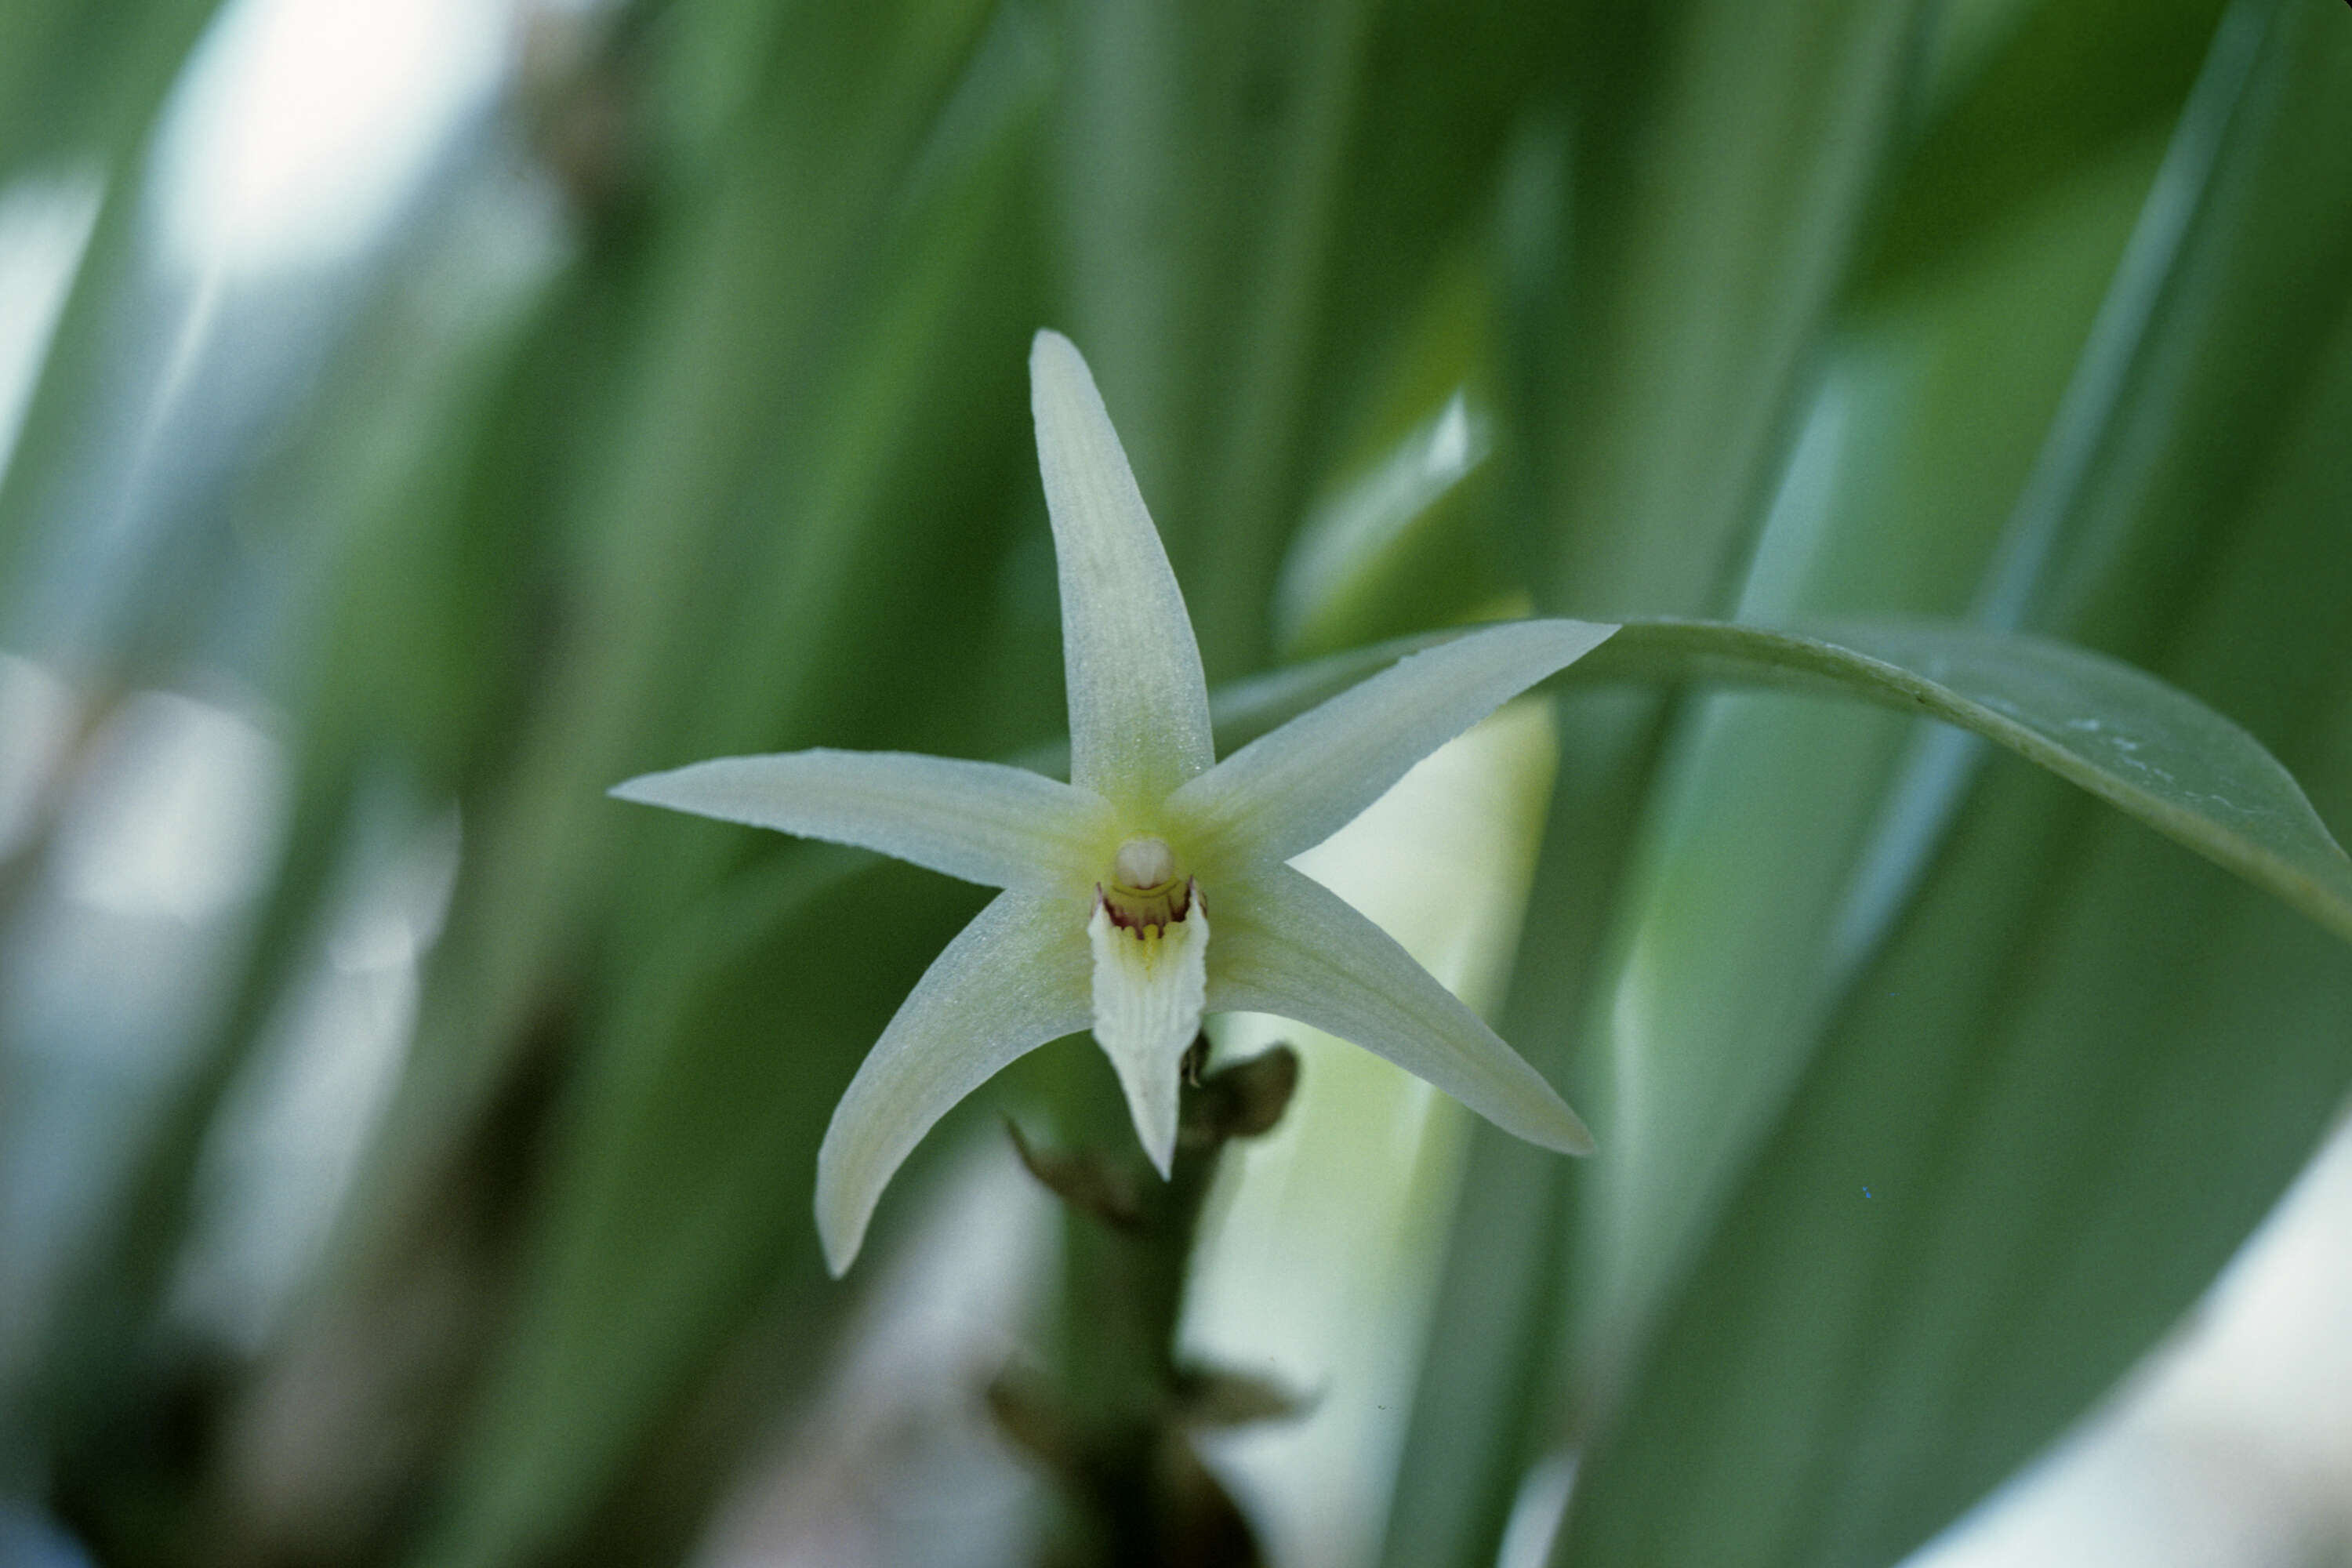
x: 1148, y: 989
x: 1288, y: 791
x: 1011, y: 981
x: 1139, y: 707
x: 1288, y: 946
x: 1005, y: 827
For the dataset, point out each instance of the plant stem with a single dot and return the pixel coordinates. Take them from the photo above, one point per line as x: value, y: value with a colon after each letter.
x: 1113, y: 1424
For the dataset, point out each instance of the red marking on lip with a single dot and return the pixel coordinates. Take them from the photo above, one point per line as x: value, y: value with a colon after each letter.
x: 1159, y: 910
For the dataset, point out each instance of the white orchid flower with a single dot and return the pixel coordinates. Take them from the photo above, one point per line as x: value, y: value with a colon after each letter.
x: 1152, y: 889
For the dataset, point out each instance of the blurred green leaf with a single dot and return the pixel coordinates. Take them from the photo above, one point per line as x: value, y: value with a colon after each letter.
x: 1402, y: 540
x: 1446, y: 85
x: 1705, y: 213
x: 81, y: 90
x: 77, y: 79
x: 1202, y: 161
x: 682, y: 1187
x: 699, y: 483
x: 2063, y: 86
x: 396, y: 536
x: 1674, y: 232
x: 1746, y: 912
x: 2041, y: 1082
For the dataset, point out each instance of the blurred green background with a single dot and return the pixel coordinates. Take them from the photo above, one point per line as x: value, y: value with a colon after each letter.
x: 418, y: 418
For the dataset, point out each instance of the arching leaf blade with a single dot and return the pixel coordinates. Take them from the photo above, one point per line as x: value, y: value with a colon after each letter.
x: 2147, y: 748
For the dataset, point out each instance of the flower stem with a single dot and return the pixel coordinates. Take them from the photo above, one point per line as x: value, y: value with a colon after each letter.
x: 1113, y: 1423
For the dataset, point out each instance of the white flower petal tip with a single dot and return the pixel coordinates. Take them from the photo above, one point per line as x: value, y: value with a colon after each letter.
x: 1295, y: 949
x: 1571, y: 1136
x: 1151, y: 986
x: 841, y: 1236
x: 1139, y: 707
x: 1012, y: 980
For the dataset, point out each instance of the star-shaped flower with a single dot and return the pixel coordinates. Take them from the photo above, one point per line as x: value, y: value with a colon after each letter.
x: 1112, y: 881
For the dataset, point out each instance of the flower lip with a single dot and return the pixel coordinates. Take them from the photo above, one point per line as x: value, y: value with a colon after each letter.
x: 1146, y: 891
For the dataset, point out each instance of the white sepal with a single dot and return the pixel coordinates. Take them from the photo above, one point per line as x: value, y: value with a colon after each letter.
x: 1286, y: 792
x: 1138, y: 706
x: 1150, y: 983
x: 1294, y: 947
x: 986, y: 823
x: 1011, y: 981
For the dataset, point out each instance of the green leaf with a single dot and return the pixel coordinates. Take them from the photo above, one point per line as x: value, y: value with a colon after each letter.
x: 2144, y: 747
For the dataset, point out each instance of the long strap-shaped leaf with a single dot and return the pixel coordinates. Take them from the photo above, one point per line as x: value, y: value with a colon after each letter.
x: 2144, y: 746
